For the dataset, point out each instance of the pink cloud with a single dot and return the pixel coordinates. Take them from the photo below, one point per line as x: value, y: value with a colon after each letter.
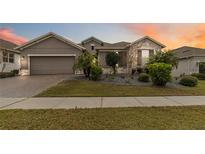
x: 9, y: 35
x: 172, y: 35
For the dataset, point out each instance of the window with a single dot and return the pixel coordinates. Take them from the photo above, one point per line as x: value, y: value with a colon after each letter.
x: 202, y: 67
x: 5, y: 56
x: 92, y: 46
x: 8, y: 57
x: 11, y: 58
x: 145, y: 56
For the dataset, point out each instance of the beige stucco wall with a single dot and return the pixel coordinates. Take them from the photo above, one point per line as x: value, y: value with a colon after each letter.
x: 187, y: 66
x: 87, y: 45
x: 48, y: 46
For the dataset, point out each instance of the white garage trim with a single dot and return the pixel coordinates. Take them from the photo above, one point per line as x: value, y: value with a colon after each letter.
x: 46, y: 55
x: 57, y: 55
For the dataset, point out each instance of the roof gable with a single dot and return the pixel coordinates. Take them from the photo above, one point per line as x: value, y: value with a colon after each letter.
x: 47, y: 36
x: 149, y: 38
x: 92, y: 38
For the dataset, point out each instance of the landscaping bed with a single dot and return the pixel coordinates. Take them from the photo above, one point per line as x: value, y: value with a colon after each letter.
x: 141, y: 118
x: 123, y: 79
x: 8, y: 74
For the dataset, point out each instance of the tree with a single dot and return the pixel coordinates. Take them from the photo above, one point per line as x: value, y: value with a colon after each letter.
x: 85, y: 62
x: 167, y: 57
x: 112, y: 59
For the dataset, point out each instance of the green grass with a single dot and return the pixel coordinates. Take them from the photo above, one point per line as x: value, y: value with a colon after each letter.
x: 192, y: 117
x: 90, y: 88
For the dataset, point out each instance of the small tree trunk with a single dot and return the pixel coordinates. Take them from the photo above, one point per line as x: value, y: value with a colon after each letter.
x: 85, y: 73
x: 88, y: 73
x: 114, y: 70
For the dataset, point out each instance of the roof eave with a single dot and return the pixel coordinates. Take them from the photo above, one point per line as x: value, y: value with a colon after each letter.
x: 147, y: 37
x: 46, y: 36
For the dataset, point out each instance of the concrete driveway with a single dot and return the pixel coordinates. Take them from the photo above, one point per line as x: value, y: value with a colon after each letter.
x: 27, y: 86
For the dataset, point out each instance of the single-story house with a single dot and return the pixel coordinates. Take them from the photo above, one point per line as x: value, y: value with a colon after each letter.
x: 54, y: 54
x: 9, y: 58
x: 132, y: 54
x: 190, y: 60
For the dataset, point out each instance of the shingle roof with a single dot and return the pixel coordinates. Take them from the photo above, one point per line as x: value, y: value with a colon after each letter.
x: 187, y: 52
x: 7, y: 44
x: 110, y: 48
x: 48, y: 35
x: 105, y: 44
x: 121, y: 44
x: 92, y: 38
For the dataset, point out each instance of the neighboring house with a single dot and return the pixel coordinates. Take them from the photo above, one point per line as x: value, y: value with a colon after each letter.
x: 9, y: 58
x: 189, y: 60
x: 54, y: 54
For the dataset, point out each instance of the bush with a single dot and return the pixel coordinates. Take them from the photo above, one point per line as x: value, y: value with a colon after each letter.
x: 84, y: 62
x: 96, y: 72
x: 16, y: 72
x: 143, y: 77
x: 167, y: 57
x: 160, y: 73
x: 190, y: 81
x: 7, y: 74
x: 200, y: 76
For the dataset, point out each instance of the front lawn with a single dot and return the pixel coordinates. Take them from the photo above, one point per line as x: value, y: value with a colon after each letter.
x: 94, y: 89
x: 192, y: 117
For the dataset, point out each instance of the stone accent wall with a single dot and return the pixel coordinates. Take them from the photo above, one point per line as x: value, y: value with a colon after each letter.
x: 145, y: 44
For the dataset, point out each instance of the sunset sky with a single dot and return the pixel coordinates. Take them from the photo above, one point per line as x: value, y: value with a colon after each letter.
x: 171, y: 35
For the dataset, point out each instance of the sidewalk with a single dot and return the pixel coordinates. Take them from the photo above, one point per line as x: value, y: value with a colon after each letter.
x: 98, y: 102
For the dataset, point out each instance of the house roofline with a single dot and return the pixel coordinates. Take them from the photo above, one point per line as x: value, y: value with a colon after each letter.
x: 46, y: 36
x: 10, y: 50
x: 92, y: 37
x: 147, y: 37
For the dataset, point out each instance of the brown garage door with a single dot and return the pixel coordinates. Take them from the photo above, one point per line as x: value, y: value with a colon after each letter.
x: 51, y: 65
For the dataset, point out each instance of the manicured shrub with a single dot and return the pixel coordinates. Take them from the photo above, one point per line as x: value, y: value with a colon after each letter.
x: 7, y: 74
x: 200, y: 76
x: 84, y: 62
x: 96, y: 73
x: 143, y: 77
x: 160, y: 73
x: 190, y: 81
